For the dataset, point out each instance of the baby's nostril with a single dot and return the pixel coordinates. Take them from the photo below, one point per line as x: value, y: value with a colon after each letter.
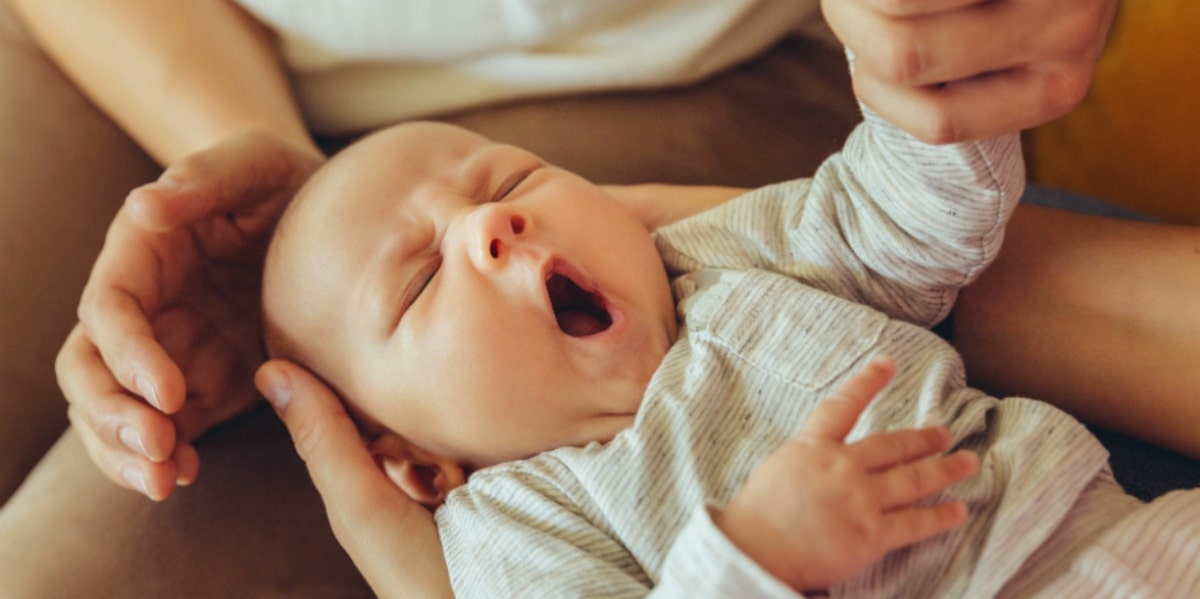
x: 494, y: 248
x: 518, y: 224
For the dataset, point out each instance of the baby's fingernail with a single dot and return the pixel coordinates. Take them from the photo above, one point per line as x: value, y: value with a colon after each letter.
x: 133, y: 440
x: 133, y: 475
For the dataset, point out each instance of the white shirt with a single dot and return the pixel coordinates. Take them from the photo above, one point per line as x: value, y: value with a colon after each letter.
x: 367, y: 63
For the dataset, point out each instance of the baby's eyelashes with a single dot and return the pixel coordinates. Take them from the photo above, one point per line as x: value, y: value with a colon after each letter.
x: 510, y: 184
x: 417, y: 285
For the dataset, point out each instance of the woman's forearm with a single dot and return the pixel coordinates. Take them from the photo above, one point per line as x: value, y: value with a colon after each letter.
x: 176, y: 75
x: 660, y: 204
x: 1098, y: 316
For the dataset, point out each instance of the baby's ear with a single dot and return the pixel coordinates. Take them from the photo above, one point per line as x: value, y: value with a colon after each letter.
x: 423, y: 476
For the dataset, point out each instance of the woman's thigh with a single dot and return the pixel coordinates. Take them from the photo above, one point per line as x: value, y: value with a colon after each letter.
x: 64, y: 170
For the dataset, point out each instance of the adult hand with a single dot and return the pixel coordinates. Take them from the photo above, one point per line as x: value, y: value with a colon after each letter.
x: 818, y: 511
x: 391, y: 538
x: 169, y: 320
x: 957, y: 70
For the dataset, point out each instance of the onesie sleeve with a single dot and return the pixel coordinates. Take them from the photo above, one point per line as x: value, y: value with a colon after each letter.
x: 704, y: 563
x: 514, y: 539
x: 889, y: 222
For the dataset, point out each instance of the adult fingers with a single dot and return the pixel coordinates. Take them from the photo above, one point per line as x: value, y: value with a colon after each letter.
x: 984, y: 106
x: 1022, y: 62
x: 377, y: 524
x: 129, y: 281
x: 115, y: 324
x: 833, y: 418
x: 100, y: 405
x: 131, y: 443
x: 885, y: 450
x: 907, y: 483
x: 972, y: 38
x: 155, y: 480
x: 937, y: 47
x: 910, y: 8
x: 236, y: 175
x: 338, y: 461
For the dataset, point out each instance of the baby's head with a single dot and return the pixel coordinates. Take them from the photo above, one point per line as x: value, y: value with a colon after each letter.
x: 470, y: 303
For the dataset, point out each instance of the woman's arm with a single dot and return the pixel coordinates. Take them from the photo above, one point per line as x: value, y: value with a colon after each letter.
x: 660, y: 204
x: 1098, y: 316
x: 198, y: 84
x: 178, y: 75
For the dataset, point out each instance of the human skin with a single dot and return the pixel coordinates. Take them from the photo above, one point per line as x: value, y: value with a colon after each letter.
x: 482, y: 304
x: 955, y: 70
x: 169, y: 74
x: 415, y: 274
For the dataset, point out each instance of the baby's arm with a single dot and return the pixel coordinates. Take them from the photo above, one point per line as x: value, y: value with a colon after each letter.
x: 818, y: 511
x: 902, y: 225
x: 889, y: 222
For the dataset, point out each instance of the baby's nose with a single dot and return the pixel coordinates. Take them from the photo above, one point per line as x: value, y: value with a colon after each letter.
x: 499, y: 229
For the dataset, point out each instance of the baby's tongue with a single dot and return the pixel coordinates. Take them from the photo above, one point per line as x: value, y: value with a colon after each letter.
x: 578, y: 323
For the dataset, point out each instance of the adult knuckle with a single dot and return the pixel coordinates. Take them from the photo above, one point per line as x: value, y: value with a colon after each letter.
x: 898, y: 58
x: 1063, y: 89
x: 78, y: 416
x: 308, y: 436
x: 65, y: 366
x: 89, y: 308
x: 894, y: 8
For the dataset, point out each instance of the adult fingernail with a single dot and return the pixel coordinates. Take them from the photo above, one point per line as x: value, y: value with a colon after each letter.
x: 133, y: 475
x: 133, y: 440
x: 147, y: 391
x: 168, y: 182
x: 276, y: 389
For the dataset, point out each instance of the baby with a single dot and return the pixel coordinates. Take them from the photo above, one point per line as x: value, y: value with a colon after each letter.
x: 642, y: 413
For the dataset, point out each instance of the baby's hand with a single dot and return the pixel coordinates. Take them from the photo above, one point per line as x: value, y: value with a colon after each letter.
x: 818, y: 511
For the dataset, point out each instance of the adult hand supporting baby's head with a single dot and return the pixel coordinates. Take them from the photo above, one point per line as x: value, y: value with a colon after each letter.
x: 169, y: 330
x: 958, y: 70
x: 391, y: 538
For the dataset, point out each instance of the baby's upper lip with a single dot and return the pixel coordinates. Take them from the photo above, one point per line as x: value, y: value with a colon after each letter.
x: 579, y: 309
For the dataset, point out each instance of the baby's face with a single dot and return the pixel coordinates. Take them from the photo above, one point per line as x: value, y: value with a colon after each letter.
x: 466, y: 295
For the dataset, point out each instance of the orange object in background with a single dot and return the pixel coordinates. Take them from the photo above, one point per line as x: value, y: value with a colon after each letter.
x: 1135, y: 139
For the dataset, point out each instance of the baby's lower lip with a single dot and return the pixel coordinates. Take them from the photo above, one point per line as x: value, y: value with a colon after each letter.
x: 579, y: 310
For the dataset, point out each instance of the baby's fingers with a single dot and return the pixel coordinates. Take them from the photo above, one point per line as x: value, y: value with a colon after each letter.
x: 913, y: 525
x: 907, y: 483
x: 885, y: 450
x: 836, y: 415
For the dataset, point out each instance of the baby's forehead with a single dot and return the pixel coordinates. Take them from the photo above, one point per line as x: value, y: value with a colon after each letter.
x: 418, y: 141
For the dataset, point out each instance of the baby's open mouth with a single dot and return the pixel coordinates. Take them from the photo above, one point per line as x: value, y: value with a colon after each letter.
x: 579, y: 312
